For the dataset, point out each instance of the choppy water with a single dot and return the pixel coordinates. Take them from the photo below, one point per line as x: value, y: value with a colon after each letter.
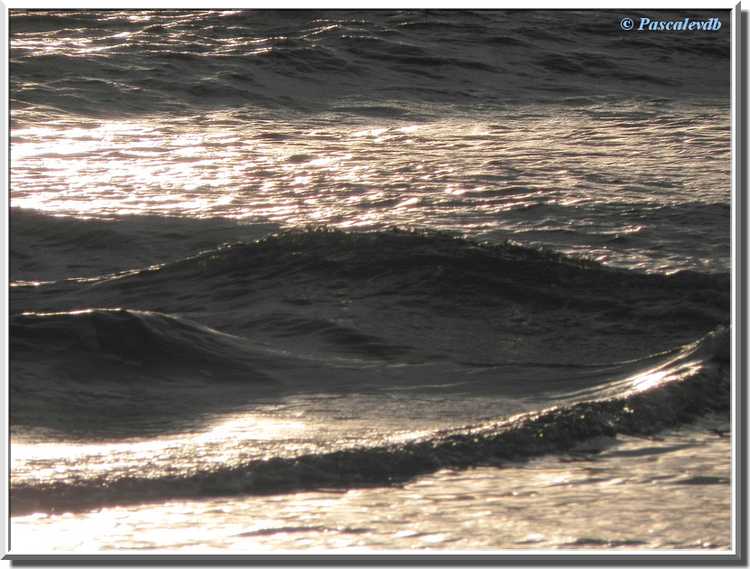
x: 342, y: 252
x: 594, y: 499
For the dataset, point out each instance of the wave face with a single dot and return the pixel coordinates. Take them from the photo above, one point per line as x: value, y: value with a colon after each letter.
x: 322, y: 272
x: 167, y: 60
x: 378, y: 331
x: 691, y: 383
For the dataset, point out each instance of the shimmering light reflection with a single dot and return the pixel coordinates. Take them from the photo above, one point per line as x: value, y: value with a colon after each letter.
x: 477, y: 176
x: 657, y: 377
x: 280, y: 430
x: 554, y: 502
x: 649, y: 380
x: 221, y: 443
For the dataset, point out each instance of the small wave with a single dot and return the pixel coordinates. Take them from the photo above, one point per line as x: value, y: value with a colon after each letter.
x: 321, y: 309
x: 441, y: 265
x: 683, y: 393
x: 119, y: 372
x: 147, y: 340
x: 445, y: 281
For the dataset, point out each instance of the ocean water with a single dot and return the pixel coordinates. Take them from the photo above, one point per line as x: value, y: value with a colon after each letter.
x: 368, y: 281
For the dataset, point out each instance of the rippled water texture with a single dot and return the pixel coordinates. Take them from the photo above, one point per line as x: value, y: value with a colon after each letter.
x: 493, y: 124
x: 535, y: 175
x: 355, y: 281
x: 668, y: 492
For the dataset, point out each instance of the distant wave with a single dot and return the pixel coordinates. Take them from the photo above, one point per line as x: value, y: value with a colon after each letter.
x: 182, y: 61
x: 404, y: 265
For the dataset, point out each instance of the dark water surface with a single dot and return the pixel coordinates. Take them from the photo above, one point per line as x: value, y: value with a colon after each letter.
x: 256, y: 253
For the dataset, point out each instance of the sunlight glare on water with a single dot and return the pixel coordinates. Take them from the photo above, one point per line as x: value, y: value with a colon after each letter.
x: 485, y: 178
x: 591, y: 501
x: 222, y: 443
x: 196, y: 369
x: 241, y: 168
